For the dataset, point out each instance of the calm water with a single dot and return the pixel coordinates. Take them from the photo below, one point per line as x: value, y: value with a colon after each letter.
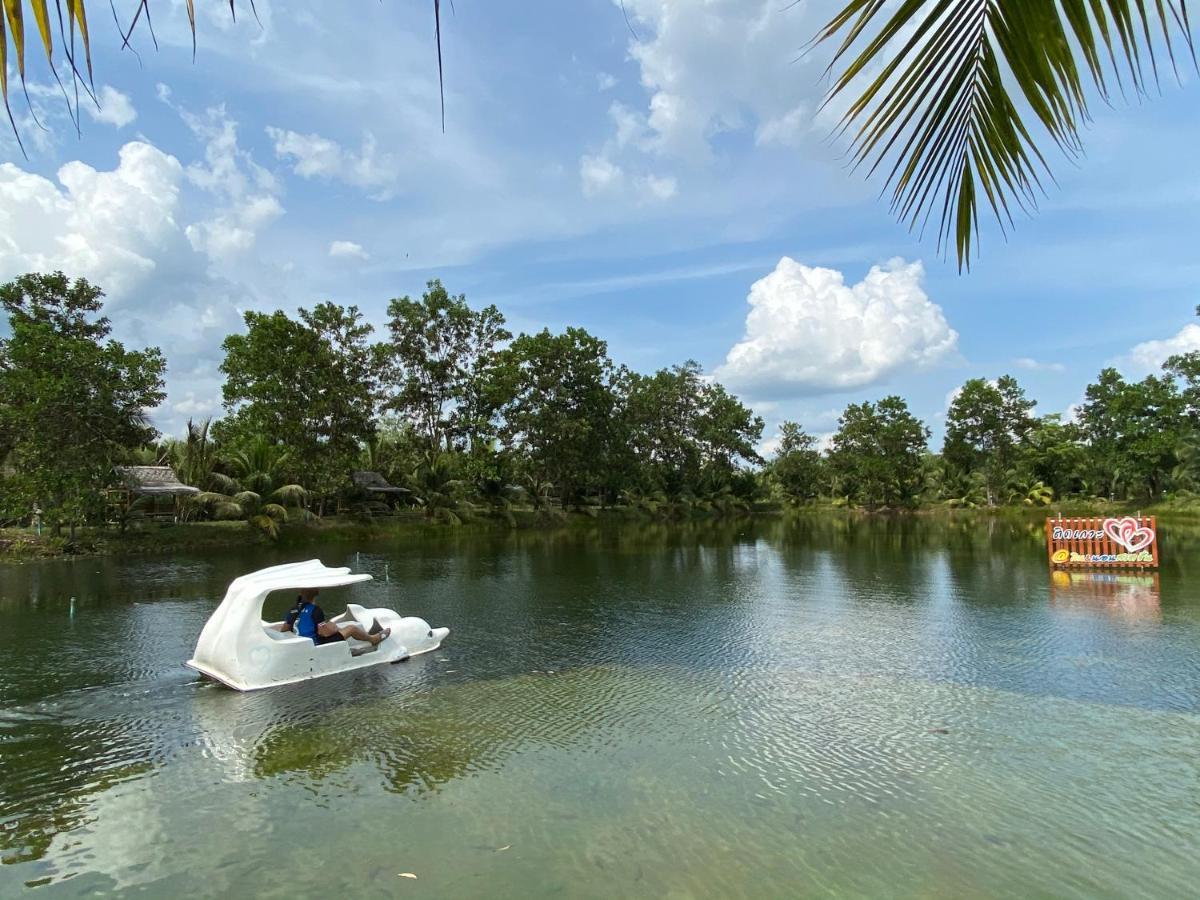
x: 768, y: 709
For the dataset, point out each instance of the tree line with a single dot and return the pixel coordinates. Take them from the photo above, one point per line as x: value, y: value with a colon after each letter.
x: 472, y: 420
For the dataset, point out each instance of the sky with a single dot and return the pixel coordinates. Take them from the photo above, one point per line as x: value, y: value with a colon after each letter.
x: 663, y: 176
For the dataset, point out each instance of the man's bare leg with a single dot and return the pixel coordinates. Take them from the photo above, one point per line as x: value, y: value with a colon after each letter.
x: 328, y: 629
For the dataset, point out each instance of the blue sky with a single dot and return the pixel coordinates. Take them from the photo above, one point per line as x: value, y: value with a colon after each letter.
x: 672, y: 188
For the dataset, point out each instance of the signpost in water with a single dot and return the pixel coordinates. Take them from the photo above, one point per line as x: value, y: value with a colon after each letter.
x: 1106, y: 542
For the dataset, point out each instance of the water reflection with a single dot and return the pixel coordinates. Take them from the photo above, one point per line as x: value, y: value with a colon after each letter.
x: 666, y: 696
x: 1129, y: 596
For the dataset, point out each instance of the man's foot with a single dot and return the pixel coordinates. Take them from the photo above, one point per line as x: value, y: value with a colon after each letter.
x: 381, y: 637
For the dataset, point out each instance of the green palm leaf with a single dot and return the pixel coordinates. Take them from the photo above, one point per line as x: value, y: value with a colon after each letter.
x: 75, y: 21
x: 946, y: 113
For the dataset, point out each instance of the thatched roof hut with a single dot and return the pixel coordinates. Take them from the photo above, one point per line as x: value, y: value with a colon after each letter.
x: 374, y: 483
x: 155, y: 481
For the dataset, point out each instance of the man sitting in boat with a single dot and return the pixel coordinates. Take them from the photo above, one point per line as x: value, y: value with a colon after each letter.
x: 308, y: 620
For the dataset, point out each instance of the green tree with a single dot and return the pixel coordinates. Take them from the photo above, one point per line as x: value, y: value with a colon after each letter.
x: 878, y: 453
x: 1052, y: 452
x: 947, y: 88
x: 798, y: 467
x: 984, y: 426
x: 684, y: 431
x: 1186, y: 368
x: 75, y: 400
x: 555, y: 394
x: 257, y: 491
x: 311, y: 384
x: 441, y: 350
x: 1133, y: 431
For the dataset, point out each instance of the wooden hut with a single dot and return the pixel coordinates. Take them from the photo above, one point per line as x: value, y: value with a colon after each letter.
x: 379, y: 494
x: 159, y: 485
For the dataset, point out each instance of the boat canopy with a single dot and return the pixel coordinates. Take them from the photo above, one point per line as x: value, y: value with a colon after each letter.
x: 235, y: 628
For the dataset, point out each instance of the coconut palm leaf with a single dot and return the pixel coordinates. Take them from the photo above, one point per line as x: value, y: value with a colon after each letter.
x: 293, y: 494
x: 950, y: 87
x: 75, y: 21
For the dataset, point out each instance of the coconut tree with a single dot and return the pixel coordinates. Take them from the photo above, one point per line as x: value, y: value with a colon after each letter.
x: 944, y: 94
x: 437, y: 488
x: 258, y: 493
x: 195, y: 460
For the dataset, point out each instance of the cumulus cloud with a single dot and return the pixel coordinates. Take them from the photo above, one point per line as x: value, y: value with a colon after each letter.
x: 809, y: 333
x: 115, y: 108
x: 605, y: 82
x: 110, y: 227
x: 1150, y: 355
x: 348, y: 248
x: 314, y: 156
x: 712, y: 66
x: 1033, y: 365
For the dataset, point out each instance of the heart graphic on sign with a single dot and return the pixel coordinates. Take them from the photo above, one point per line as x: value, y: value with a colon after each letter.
x: 1128, y: 533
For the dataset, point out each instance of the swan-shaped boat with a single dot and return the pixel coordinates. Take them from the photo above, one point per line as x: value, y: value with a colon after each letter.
x: 240, y: 650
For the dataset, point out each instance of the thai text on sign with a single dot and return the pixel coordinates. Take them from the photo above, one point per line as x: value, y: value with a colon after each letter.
x: 1113, y: 541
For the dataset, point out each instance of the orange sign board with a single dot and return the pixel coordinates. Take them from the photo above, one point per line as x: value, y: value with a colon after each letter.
x: 1107, y: 542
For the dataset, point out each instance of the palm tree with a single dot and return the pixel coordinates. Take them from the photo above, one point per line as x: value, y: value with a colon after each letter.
x: 257, y: 492
x: 945, y: 89
x: 1186, y: 474
x: 436, y: 486
x: 195, y: 460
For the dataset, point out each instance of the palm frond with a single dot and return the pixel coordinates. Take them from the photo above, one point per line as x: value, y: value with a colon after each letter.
x: 949, y: 85
x: 290, y: 493
x: 76, y: 22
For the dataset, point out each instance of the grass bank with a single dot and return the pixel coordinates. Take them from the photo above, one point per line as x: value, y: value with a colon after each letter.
x: 18, y: 544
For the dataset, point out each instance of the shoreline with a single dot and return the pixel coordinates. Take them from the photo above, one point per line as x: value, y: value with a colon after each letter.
x: 18, y: 545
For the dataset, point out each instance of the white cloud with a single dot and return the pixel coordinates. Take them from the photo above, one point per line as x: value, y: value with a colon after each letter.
x: 1026, y: 362
x: 191, y: 406
x: 712, y: 66
x: 315, y: 156
x: 659, y: 188
x: 115, y: 108
x: 598, y: 175
x: 605, y: 81
x: 248, y: 193
x: 1150, y: 355
x: 110, y: 227
x: 348, y: 248
x: 808, y: 333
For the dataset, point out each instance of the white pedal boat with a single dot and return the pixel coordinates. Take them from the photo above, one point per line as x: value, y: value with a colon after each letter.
x: 240, y: 650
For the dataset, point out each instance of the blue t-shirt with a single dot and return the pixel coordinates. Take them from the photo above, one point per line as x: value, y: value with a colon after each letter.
x: 304, y: 618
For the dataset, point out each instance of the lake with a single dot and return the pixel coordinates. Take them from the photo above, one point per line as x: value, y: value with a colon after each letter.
x: 816, y: 706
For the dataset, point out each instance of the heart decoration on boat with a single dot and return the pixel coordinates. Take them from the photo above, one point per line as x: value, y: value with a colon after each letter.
x: 1128, y: 533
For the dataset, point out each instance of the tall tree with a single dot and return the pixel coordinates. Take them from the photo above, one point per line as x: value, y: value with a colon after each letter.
x: 798, y: 467
x: 984, y: 425
x: 1186, y: 367
x: 555, y: 393
x: 1134, y: 431
x: 311, y: 384
x: 74, y: 398
x: 1053, y: 453
x: 878, y: 452
x: 682, y: 428
x: 441, y: 349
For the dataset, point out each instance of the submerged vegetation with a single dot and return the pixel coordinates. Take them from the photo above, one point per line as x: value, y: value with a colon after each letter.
x: 457, y: 420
